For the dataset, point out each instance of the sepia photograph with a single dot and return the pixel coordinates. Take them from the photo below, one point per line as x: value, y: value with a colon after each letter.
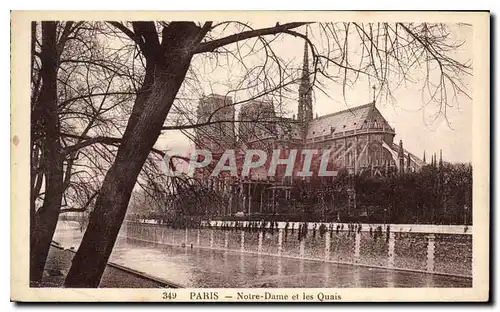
x: 229, y: 156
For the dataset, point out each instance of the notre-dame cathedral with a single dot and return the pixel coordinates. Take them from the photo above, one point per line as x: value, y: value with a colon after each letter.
x: 359, y: 139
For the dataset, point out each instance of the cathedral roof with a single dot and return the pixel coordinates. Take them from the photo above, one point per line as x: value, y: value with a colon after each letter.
x: 346, y: 120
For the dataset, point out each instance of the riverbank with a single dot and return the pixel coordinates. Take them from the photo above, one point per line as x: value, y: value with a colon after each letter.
x: 115, y: 276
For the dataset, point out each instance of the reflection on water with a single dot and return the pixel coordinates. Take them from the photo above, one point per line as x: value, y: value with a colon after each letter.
x: 260, y: 269
x: 242, y: 264
x: 390, y: 280
x: 326, y: 274
x: 195, y: 267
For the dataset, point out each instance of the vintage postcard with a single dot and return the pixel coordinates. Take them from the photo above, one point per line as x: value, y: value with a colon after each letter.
x: 250, y: 156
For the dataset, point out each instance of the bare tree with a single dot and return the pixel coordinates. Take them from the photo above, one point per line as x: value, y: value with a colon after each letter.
x: 46, y: 145
x: 80, y: 93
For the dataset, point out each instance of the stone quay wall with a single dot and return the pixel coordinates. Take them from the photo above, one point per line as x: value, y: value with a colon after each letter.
x: 435, y: 249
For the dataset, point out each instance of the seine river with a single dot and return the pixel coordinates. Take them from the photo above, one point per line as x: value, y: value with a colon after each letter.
x: 195, y: 267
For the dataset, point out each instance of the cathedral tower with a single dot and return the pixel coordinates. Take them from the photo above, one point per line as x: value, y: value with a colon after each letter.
x: 305, y: 110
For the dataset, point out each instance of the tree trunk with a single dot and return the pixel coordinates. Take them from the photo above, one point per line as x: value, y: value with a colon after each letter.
x: 44, y: 221
x: 139, y: 137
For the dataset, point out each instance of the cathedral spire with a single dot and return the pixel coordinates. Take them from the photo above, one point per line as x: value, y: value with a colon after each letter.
x: 374, y: 95
x: 408, y: 162
x: 305, y: 60
x: 401, y: 156
x: 305, y: 111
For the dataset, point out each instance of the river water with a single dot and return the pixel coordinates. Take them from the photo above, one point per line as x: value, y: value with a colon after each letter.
x: 198, y: 267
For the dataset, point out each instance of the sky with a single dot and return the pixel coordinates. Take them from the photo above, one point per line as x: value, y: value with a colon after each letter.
x: 413, y: 124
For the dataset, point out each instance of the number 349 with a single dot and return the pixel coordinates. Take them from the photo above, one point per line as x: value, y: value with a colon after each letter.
x: 169, y: 295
